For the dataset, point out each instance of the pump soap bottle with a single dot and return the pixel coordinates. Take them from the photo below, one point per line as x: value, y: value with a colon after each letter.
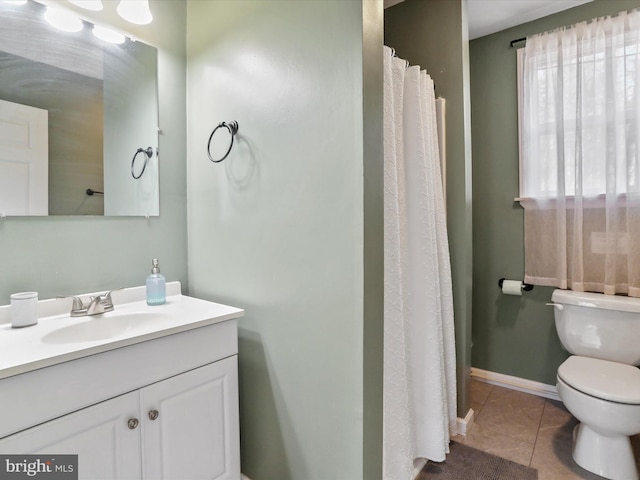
x: 156, y: 285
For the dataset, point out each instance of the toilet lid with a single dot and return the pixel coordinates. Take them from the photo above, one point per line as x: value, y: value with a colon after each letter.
x: 611, y: 381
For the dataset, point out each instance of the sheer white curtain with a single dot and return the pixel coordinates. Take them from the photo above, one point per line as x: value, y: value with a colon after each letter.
x: 580, y: 173
x: 419, y: 344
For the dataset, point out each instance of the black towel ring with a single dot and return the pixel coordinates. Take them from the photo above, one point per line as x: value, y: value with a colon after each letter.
x: 148, y: 153
x: 232, y: 127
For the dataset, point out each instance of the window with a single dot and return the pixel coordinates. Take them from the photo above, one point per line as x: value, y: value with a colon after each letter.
x: 581, y: 117
x: 579, y: 99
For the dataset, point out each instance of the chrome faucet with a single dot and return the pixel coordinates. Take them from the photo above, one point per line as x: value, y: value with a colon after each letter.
x: 96, y: 306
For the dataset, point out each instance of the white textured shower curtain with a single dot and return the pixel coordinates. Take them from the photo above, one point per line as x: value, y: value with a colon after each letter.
x: 419, y: 344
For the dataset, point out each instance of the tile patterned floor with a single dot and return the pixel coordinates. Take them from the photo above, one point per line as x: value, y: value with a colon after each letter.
x: 527, y: 429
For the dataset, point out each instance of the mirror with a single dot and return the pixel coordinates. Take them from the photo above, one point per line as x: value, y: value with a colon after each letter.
x: 74, y: 112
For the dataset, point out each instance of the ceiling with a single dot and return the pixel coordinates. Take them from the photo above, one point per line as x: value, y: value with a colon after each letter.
x: 490, y: 16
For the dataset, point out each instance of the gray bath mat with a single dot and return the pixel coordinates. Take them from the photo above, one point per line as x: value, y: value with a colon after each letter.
x: 466, y: 463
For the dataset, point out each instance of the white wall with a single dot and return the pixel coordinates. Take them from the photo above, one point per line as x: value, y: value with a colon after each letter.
x: 277, y: 228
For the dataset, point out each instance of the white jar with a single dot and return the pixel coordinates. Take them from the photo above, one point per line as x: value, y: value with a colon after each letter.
x: 24, y: 309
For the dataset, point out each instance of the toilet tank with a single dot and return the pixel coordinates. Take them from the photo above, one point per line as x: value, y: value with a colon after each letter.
x: 599, y: 326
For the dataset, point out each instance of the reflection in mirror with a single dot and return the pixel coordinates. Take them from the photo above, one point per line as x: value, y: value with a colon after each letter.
x: 74, y: 111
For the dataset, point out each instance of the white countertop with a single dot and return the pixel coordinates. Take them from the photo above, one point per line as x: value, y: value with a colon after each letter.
x: 42, y: 345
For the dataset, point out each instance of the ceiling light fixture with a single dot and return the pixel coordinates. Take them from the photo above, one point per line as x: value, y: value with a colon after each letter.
x: 108, y: 35
x: 93, y: 5
x: 63, y: 20
x: 135, y: 11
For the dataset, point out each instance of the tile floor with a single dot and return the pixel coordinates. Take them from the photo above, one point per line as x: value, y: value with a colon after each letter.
x: 527, y: 429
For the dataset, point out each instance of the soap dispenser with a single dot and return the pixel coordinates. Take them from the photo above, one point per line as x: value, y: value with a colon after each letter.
x: 156, y: 285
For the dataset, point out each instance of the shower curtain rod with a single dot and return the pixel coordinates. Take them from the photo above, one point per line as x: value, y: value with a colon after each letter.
x: 393, y: 54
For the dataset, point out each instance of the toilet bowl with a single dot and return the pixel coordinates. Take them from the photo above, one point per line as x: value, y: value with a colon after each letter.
x: 600, y: 384
x: 594, y: 393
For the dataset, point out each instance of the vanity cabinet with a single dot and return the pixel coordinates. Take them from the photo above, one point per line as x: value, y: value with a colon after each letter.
x: 183, y: 427
x: 138, y: 393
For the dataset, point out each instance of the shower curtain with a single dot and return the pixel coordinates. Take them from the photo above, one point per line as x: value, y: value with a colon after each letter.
x: 419, y: 345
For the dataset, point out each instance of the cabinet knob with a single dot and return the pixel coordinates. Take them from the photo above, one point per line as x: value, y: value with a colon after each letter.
x: 153, y: 414
x: 132, y: 423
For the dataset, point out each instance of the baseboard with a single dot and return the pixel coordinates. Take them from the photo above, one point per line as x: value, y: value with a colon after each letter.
x: 418, y: 465
x: 516, y: 383
x: 464, y: 424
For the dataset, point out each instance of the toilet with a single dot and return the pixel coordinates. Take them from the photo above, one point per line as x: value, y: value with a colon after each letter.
x: 600, y: 384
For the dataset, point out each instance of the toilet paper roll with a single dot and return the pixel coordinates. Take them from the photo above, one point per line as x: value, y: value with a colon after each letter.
x: 512, y: 287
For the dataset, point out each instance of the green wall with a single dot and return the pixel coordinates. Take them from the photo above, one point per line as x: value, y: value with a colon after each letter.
x: 64, y: 255
x: 289, y: 223
x: 433, y: 34
x: 373, y: 254
x: 511, y: 335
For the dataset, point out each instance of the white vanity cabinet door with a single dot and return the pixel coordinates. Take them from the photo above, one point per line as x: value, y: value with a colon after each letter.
x: 100, y: 435
x: 183, y: 427
x: 196, y: 432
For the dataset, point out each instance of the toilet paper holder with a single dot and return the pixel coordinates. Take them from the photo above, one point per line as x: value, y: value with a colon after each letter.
x: 525, y: 286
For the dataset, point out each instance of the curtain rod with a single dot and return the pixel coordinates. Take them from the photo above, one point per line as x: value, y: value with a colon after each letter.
x: 518, y: 40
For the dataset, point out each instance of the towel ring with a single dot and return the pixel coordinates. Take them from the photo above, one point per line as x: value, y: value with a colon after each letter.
x: 148, y: 153
x: 232, y: 127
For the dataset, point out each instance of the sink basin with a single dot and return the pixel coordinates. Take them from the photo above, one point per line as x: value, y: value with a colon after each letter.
x: 102, y: 327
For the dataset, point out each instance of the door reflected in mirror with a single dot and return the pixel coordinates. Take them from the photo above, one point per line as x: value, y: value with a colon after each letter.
x: 74, y: 112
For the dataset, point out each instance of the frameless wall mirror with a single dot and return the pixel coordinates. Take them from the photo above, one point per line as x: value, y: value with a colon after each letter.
x: 78, y: 120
